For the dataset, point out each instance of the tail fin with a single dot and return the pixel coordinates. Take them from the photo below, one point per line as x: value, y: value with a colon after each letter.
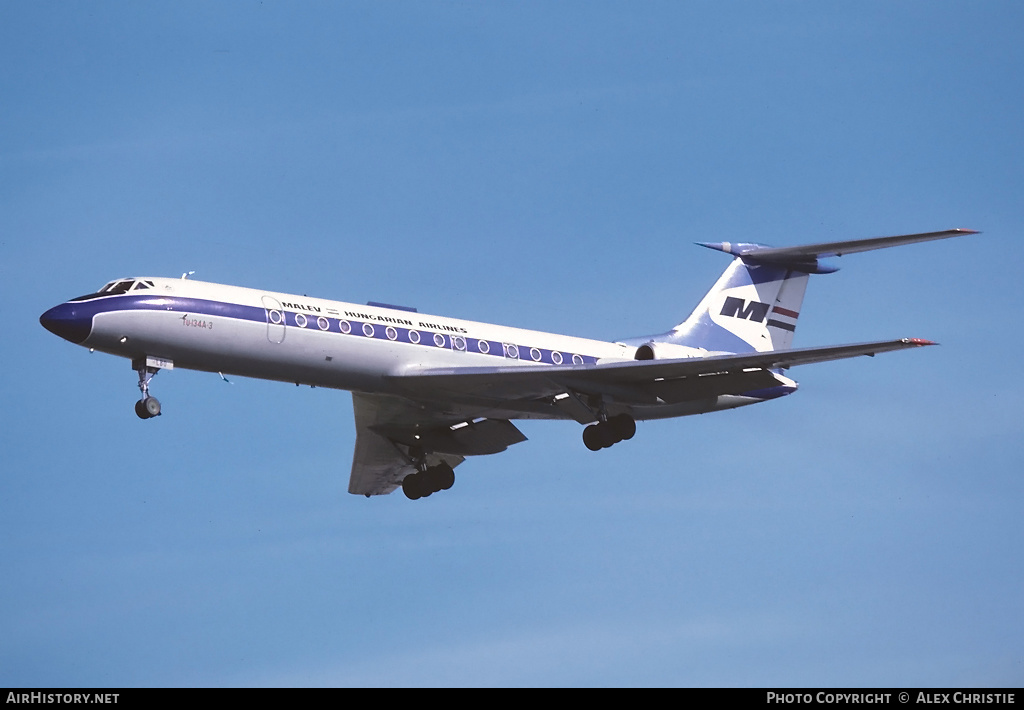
x: 754, y: 305
x: 752, y: 308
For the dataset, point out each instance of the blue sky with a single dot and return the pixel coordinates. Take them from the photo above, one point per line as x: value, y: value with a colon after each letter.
x: 542, y: 165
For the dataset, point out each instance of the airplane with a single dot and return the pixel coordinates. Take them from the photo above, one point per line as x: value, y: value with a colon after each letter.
x: 428, y: 391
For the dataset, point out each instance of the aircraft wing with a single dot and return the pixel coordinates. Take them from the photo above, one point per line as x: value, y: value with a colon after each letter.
x: 632, y: 381
x: 388, y: 428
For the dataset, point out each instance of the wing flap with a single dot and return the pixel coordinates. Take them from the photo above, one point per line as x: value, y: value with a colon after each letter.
x: 379, y: 463
x: 389, y: 428
x: 377, y: 466
x: 687, y: 389
x: 475, y: 438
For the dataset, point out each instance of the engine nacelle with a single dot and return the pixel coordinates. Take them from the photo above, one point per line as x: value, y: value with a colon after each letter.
x: 666, y: 351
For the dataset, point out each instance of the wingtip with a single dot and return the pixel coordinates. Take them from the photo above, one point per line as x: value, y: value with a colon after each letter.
x: 919, y: 341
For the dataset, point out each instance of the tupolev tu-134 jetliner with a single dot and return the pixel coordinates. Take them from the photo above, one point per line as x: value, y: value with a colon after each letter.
x: 429, y: 391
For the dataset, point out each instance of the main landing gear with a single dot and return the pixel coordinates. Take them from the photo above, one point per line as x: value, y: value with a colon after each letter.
x: 427, y: 479
x: 147, y: 407
x: 608, y: 432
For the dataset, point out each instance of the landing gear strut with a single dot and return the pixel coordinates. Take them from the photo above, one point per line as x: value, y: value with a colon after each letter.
x: 147, y: 407
x: 608, y: 432
x: 427, y: 479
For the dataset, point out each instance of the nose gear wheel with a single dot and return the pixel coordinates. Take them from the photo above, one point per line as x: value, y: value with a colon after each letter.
x: 147, y: 407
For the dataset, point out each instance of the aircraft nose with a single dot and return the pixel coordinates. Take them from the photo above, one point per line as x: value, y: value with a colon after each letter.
x: 68, y: 322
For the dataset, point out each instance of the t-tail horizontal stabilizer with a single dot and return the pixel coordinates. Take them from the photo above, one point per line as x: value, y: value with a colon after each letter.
x: 755, y: 304
x: 805, y: 258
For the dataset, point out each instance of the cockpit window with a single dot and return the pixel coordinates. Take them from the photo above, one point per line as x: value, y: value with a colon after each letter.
x: 115, y: 288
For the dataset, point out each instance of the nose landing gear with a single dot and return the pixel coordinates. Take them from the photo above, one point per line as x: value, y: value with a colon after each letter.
x: 147, y: 407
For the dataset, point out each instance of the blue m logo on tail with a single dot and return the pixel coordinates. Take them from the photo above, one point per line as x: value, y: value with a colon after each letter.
x: 738, y: 308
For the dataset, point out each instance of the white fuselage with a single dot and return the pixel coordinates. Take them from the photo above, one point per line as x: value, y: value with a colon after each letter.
x: 312, y: 341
